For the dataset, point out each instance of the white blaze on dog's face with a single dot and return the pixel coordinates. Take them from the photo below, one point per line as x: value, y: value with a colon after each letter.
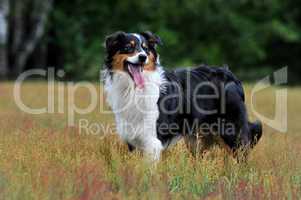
x: 141, y: 55
x: 132, y: 53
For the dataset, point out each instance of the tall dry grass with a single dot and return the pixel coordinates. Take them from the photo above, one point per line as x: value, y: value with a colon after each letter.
x: 42, y: 158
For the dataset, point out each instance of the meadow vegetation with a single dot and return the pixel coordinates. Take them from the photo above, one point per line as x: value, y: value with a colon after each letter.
x: 42, y: 158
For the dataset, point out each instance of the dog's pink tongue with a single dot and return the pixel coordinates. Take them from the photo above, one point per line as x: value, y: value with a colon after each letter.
x: 137, y: 75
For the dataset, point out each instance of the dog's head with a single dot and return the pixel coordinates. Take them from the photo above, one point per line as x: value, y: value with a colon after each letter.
x: 132, y: 53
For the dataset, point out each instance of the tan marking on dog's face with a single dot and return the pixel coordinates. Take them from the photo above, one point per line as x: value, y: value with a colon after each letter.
x: 144, y: 45
x: 151, y: 65
x: 133, y: 43
x: 118, y: 61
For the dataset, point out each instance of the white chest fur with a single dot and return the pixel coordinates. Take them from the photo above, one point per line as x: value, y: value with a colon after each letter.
x: 136, y: 110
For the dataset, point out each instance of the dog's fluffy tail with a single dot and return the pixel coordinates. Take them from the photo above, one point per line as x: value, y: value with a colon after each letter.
x: 256, y: 132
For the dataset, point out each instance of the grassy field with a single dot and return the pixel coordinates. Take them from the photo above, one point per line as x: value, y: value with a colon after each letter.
x: 42, y: 158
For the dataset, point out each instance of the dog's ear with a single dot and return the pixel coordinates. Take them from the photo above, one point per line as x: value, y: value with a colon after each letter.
x: 113, y: 39
x: 152, y: 39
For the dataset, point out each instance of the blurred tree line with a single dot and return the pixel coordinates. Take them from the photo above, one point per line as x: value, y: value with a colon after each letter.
x: 253, y: 37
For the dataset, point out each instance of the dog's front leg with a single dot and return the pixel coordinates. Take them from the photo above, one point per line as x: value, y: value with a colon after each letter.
x: 153, y: 147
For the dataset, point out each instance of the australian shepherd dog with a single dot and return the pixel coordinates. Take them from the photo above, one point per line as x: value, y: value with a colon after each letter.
x: 154, y: 108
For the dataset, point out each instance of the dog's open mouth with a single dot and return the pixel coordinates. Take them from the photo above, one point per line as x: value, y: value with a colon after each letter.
x: 136, y: 72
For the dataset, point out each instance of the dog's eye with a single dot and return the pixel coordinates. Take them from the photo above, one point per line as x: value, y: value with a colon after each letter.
x: 128, y: 47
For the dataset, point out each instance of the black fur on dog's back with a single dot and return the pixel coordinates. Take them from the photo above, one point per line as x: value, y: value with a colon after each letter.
x: 230, y: 106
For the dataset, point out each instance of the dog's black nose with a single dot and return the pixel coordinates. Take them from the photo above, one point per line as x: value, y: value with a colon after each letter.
x: 142, y: 58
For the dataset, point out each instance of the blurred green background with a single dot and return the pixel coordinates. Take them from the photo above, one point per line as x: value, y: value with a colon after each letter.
x: 252, y: 37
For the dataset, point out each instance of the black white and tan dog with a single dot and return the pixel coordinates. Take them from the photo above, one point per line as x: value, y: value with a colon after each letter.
x: 154, y: 107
